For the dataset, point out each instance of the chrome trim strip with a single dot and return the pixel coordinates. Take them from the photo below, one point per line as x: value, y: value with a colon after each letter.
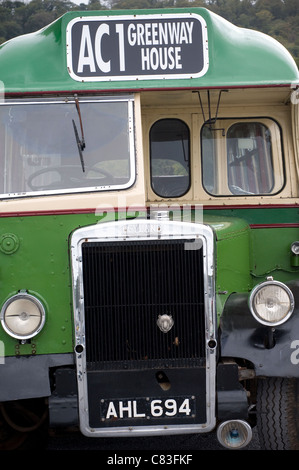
x: 140, y: 229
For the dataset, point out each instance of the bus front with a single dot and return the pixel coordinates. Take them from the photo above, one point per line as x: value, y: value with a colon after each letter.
x: 147, y: 207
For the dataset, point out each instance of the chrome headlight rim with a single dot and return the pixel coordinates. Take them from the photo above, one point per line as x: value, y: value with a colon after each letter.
x: 262, y: 285
x: 37, y: 303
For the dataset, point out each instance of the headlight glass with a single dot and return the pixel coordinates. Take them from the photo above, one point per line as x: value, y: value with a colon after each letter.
x: 22, y: 316
x: 271, y: 303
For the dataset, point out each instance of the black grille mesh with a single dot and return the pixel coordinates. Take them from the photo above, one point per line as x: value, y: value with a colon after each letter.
x: 127, y: 285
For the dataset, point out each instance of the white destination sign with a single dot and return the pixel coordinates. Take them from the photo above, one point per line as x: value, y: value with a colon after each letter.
x: 137, y: 47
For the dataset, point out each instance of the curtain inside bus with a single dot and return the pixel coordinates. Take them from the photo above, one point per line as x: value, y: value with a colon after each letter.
x: 295, y: 128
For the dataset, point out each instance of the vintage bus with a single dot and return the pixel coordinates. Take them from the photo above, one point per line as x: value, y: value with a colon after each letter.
x: 149, y: 231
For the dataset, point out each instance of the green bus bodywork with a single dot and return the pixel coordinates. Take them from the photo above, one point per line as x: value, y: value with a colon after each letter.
x: 46, y: 237
x: 237, y: 57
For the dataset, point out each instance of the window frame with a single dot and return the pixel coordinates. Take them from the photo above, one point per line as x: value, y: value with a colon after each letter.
x: 70, y: 100
x: 221, y: 157
x: 189, y: 162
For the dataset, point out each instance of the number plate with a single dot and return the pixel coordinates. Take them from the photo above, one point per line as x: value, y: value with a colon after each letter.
x: 146, y: 408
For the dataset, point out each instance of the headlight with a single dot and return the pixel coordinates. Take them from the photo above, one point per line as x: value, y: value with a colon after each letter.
x: 271, y: 303
x: 295, y: 248
x: 22, y: 316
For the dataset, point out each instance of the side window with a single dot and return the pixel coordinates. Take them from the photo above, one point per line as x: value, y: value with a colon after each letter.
x: 242, y: 158
x: 249, y: 154
x: 170, y: 157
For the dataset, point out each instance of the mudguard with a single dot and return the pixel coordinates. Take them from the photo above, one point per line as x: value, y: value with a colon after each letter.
x: 28, y: 376
x: 274, y: 352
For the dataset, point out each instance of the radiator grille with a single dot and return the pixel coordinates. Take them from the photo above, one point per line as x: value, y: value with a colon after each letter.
x: 127, y: 285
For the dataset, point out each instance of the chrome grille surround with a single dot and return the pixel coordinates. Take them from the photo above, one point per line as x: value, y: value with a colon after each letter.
x: 140, y: 230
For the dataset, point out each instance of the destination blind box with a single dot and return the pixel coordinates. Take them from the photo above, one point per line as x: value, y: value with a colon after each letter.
x: 137, y: 47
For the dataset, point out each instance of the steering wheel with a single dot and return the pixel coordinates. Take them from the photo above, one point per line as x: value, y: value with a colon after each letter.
x: 68, y: 177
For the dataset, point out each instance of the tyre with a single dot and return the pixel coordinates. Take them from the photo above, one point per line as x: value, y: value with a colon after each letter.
x: 23, y: 425
x: 278, y: 413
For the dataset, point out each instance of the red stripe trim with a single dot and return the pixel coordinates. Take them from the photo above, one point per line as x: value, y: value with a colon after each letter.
x: 286, y: 225
x: 143, y: 208
x: 70, y: 211
x: 253, y: 206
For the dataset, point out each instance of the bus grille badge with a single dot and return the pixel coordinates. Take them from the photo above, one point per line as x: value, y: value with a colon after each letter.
x: 165, y: 323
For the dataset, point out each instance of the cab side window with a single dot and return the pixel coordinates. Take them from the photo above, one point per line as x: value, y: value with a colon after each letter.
x: 170, y: 157
x: 242, y: 158
x: 249, y: 153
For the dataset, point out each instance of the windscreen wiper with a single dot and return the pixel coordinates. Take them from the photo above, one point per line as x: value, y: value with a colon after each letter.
x: 80, y: 142
x: 80, y: 146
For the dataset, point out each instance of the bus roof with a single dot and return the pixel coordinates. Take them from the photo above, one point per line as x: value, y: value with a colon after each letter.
x: 142, y: 50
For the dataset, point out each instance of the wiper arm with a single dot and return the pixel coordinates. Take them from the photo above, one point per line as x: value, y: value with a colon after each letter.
x: 80, y: 142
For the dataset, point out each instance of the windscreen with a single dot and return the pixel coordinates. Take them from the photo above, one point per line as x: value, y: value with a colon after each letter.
x: 66, y: 146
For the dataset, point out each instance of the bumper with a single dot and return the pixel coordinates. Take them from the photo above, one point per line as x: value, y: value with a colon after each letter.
x: 149, y: 410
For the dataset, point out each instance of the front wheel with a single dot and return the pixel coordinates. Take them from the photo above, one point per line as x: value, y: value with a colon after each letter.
x: 278, y: 413
x: 23, y: 424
